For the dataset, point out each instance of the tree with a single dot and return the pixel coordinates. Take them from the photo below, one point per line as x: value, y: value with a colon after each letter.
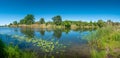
x: 42, y: 21
x: 91, y: 23
x: 79, y: 23
x: 67, y: 24
x: 95, y: 23
x: 57, y: 20
x: 100, y: 23
x: 22, y: 21
x: 15, y: 23
x: 10, y: 24
x: 29, y: 19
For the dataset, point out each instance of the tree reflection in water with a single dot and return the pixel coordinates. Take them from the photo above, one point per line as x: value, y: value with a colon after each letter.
x: 42, y: 32
x: 29, y: 32
x: 57, y: 33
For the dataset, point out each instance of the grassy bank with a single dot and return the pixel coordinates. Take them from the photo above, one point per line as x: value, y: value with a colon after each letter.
x: 104, y: 42
x: 14, y: 52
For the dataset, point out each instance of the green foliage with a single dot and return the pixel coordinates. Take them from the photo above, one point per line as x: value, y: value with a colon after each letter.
x: 10, y: 24
x: 12, y: 52
x: 42, y: 21
x: 29, y: 19
x: 85, y: 23
x: 95, y: 23
x: 107, y: 39
x: 2, y: 50
x: 67, y: 24
x: 15, y: 52
x: 98, y: 54
x: 100, y: 23
x: 28, y: 55
x: 57, y: 20
x: 49, y: 22
x: 22, y: 21
x: 91, y: 23
x: 15, y: 23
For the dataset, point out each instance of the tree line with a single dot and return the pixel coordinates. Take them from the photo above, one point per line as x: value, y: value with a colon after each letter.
x: 57, y: 20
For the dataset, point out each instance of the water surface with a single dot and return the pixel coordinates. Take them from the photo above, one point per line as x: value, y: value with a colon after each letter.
x: 57, y: 42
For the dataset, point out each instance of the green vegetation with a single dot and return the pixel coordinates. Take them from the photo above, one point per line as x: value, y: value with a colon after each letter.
x: 67, y: 24
x: 45, y: 45
x: 105, y: 42
x: 15, y: 23
x: 14, y: 52
x: 101, y: 23
x: 2, y: 50
x: 42, y: 21
x: 57, y: 22
x: 29, y: 19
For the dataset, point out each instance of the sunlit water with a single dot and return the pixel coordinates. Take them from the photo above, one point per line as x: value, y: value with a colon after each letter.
x: 48, y: 41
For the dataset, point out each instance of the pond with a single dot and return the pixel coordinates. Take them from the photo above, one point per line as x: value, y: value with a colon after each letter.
x: 56, y: 42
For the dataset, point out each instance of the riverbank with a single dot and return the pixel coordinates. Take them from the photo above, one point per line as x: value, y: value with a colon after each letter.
x: 105, y: 42
x: 49, y: 26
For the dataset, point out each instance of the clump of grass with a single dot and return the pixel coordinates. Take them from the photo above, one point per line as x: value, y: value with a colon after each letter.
x: 106, y: 38
x: 14, y: 52
x: 97, y: 54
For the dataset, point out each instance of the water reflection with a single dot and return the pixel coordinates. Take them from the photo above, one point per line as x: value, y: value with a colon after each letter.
x: 67, y: 43
x: 67, y: 30
x: 42, y: 31
x: 16, y: 30
x: 57, y: 33
x: 29, y: 32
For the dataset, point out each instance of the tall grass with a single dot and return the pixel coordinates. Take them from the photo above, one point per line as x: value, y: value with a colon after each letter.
x: 105, y: 39
x: 2, y: 51
x: 14, y: 52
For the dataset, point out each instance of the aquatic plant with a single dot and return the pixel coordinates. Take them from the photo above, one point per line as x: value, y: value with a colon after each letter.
x: 45, y: 45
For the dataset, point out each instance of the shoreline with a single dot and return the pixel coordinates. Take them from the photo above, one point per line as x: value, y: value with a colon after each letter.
x: 49, y: 26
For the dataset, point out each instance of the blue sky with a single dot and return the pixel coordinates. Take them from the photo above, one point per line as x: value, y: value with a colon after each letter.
x: 85, y: 10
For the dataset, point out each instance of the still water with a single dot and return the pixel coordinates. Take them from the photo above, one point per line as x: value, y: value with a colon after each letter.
x: 55, y: 42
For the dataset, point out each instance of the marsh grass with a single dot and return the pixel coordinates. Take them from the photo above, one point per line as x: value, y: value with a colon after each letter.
x: 105, y: 39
